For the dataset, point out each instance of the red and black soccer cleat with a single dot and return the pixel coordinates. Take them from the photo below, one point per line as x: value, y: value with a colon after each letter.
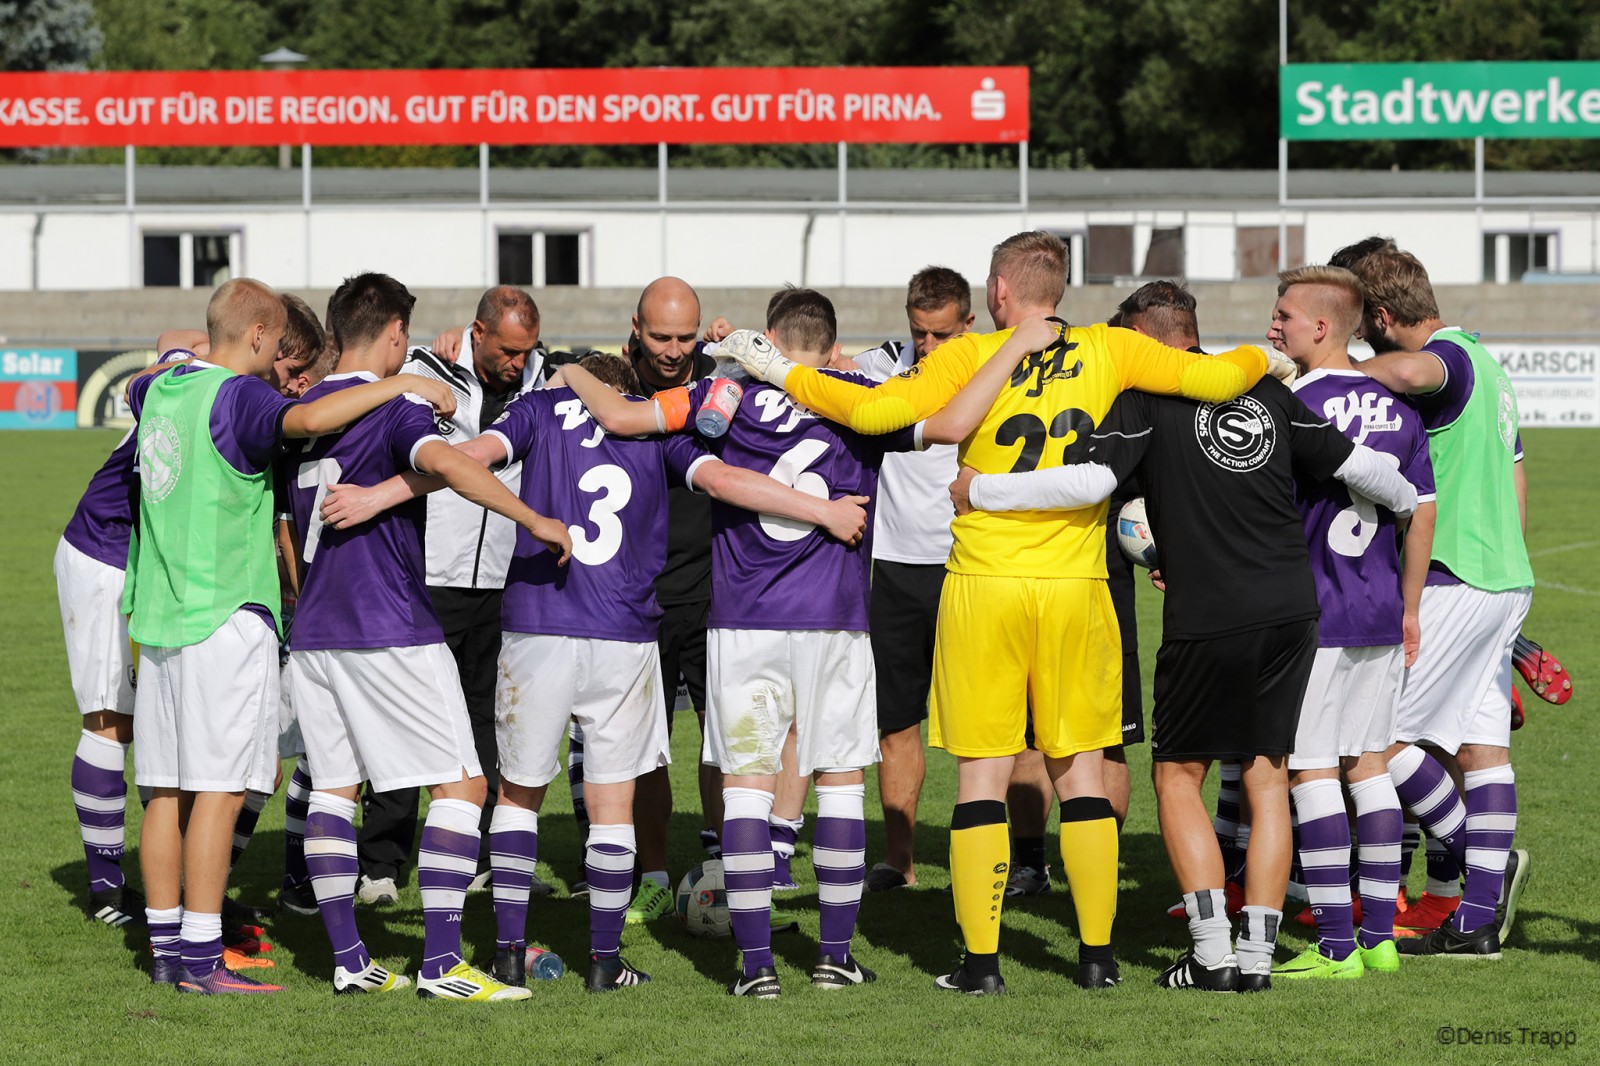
x: 1517, y: 717
x: 1548, y: 678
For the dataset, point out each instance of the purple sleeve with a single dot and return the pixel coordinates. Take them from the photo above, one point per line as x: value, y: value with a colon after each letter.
x: 1517, y: 453
x: 1418, y: 469
x: 681, y: 451
x: 518, y: 425
x: 247, y: 423
x: 1445, y: 404
x: 413, y: 424
x: 137, y: 389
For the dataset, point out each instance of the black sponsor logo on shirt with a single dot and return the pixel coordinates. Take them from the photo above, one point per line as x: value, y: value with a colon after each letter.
x: 445, y: 427
x: 1046, y: 366
x: 1238, y: 435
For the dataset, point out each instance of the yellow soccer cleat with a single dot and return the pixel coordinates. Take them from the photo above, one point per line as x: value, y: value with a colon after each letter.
x: 463, y: 982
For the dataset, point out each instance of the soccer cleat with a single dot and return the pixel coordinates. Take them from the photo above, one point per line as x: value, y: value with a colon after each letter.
x: 885, y: 878
x: 1313, y: 963
x: 224, y: 982
x: 510, y: 966
x: 613, y: 972
x: 831, y: 972
x: 234, y: 959
x: 373, y: 979
x: 298, y: 899
x: 711, y: 842
x: 1446, y: 941
x: 1187, y: 972
x: 481, y: 882
x: 1519, y: 717
x: 1097, y: 975
x: 1027, y: 881
x: 763, y: 984
x: 1548, y: 678
x: 245, y: 939
x: 965, y: 981
x: 244, y: 915
x: 1425, y: 915
x: 1257, y: 978
x: 116, y: 907
x: 1516, y: 880
x: 783, y: 922
x: 377, y: 891
x: 652, y: 901
x: 1384, y: 957
x: 166, y: 970
x: 463, y: 982
x: 538, y: 886
x: 579, y: 888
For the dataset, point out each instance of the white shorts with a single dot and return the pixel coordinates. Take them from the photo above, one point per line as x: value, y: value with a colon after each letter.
x: 612, y: 688
x: 393, y: 716
x: 290, y: 743
x: 99, y: 657
x: 1350, y: 705
x: 1459, y: 690
x: 206, y: 715
x: 760, y: 681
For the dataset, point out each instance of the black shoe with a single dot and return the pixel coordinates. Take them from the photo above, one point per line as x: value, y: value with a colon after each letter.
x: 1256, y: 979
x: 1511, y: 892
x: 165, y: 970
x: 298, y: 899
x: 510, y: 966
x: 832, y: 972
x: 963, y: 980
x: 540, y: 887
x: 116, y: 907
x: 1481, y: 943
x: 1188, y: 973
x: 235, y: 913
x: 763, y: 984
x: 1097, y: 975
x: 611, y: 973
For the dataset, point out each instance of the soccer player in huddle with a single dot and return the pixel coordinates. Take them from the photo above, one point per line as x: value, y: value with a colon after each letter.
x: 202, y: 594
x: 1025, y: 613
x: 1239, y: 625
x: 788, y: 646
x: 1366, y: 636
x: 1454, y: 715
x: 375, y: 689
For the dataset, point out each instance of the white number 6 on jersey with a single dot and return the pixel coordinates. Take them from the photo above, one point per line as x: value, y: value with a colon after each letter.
x: 615, y: 491
x: 791, y: 470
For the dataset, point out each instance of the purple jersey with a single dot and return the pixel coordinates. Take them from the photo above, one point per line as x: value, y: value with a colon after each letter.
x: 103, y: 521
x: 612, y: 493
x: 366, y: 586
x: 1355, y: 552
x: 776, y: 573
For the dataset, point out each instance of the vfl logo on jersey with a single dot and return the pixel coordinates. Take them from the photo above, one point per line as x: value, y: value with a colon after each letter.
x: 774, y: 404
x: 1370, y: 412
x: 1237, y: 435
x: 160, y: 457
x: 1046, y: 366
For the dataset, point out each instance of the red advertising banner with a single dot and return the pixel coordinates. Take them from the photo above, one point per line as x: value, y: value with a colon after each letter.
x: 718, y: 105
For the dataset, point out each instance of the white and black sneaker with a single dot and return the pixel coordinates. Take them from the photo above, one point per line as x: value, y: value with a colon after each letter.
x: 963, y: 980
x: 612, y: 972
x: 763, y: 984
x: 832, y: 972
x: 373, y: 979
x: 1188, y: 972
x: 116, y: 907
x: 1026, y: 881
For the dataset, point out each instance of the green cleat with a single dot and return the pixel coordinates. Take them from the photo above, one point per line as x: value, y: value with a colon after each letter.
x: 784, y: 922
x: 1312, y: 963
x: 653, y: 901
x: 1384, y: 958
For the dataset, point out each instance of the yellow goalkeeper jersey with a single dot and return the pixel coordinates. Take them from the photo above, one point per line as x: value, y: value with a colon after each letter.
x: 1042, y: 419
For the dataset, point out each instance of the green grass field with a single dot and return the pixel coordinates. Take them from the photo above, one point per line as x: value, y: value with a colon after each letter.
x: 76, y: 991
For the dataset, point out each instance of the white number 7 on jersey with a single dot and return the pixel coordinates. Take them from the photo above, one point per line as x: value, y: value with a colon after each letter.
x: 791, y: 470
x: 318, y: 475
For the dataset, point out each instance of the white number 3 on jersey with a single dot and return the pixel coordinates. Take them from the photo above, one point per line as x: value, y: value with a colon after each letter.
x: 615, y: 490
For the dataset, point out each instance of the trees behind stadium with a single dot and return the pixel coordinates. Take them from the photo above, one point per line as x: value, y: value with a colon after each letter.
x: 1148, y: 83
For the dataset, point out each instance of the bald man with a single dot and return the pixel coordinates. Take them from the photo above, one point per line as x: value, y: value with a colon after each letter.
x: 202, y: 594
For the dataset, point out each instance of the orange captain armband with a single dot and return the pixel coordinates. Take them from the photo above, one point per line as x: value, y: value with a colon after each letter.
x: 672, y: 409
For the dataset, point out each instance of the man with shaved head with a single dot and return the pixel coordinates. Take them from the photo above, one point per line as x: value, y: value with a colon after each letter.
x: 202, y: 595
x: 469, y: 550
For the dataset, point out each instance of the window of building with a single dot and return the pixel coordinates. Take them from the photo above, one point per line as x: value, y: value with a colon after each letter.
x: 1257, y: 250
x: 1508, y: 256
x: 189, y: 259
x: 539, y: 258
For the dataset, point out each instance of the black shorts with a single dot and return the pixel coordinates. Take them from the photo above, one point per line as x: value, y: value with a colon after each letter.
x: 1121, y: 574
x: 1232, y: 697
x: 904, y: 609
x: 683, y: 653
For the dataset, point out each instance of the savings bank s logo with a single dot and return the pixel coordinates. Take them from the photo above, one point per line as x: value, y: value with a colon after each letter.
x: 1238, y: 435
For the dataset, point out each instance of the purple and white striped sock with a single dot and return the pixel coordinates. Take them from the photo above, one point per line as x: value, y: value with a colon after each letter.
x: 1226, y: 822
x: 839, y: 854
x: 747, y: 869
x: 100, y: 793
x: 1491, y: 825
x: 296, y: 803
x: 330, y: 846
x: 1379, y: 824
x: 166, y: 927
x: 447, y: 860
x: 580, y: 809
x: 244, y: 825
x: 784, y: 832
x: 200, y: 943
x: 608, y: 864
x: 1324, y: 849
x: 1430, y: 795
x: 513, y: 850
